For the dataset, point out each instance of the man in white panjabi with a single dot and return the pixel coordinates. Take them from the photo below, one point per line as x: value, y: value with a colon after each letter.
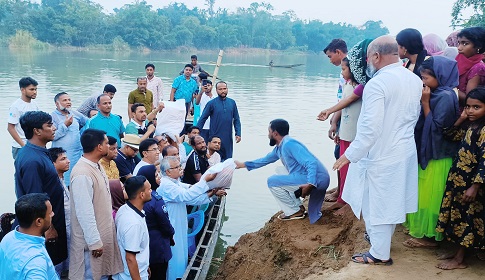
x: 382, y: 182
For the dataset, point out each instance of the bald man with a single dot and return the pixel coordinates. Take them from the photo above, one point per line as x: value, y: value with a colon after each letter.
x: 382, y: 181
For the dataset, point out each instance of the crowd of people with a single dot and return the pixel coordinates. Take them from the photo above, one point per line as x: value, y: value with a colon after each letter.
x: 114, y: 193
x: 109, y: 199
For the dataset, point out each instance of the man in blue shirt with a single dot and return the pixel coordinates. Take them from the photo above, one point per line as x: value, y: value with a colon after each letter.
x: 22, y: 251
x: 104, y: 120
x: 184, y: 87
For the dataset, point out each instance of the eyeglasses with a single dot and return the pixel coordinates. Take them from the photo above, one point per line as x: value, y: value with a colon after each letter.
x: 176, y: 167
x: 152, y: 150
x: 134, y: 149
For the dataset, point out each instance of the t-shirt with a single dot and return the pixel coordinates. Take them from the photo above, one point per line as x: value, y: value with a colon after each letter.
x: 138, y: 166
x: 145, y: 98
x: 203, y: 101
x: 214, y: 159
x: 16, y: 110
x: 195, y: 165
x: 125, y: 164
x: 350, y: 115
x: 132, y: 235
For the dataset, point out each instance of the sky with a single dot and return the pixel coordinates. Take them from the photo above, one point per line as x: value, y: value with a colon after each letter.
x: 428, y: 16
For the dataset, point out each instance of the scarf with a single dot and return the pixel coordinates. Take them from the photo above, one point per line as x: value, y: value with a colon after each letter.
x: 117, y: 197
x: 466, y: 63
x: 149, y: 172
x: 357, y: 56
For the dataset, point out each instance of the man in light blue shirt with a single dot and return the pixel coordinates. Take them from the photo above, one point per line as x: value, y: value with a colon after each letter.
x: 22, y: 251
x: 104, y: 120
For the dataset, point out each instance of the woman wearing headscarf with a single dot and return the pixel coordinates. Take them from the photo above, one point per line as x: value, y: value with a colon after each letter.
x: 159, y: 228
x: 471, y: 46
x: 411, y: 47
x: 439, y: 111
x: 118, y: 195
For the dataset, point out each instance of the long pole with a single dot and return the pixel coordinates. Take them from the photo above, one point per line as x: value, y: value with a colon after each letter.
x: 218, y: 64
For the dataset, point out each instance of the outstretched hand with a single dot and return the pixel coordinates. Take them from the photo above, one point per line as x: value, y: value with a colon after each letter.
x: 239, y: 164
x: 323, y: 116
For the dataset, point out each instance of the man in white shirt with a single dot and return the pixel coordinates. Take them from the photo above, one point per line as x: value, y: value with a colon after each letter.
x: 201, y: 100
x: 149, y: 152
x: 28, y: 88
x: 154, y: 84
x: 212, y: 148
x: 132, y: 231
x: 382, y: 182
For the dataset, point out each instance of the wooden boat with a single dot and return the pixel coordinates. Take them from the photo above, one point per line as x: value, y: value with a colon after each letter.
x: 285, y: 66
x: 200, y: 262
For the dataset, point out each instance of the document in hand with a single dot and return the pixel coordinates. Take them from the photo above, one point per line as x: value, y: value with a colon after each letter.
x: 172, y: 118
x: 224, y: 172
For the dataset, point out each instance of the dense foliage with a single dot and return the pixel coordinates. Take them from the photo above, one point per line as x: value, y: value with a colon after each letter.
x: 83, y: 23
x: 477, y: 18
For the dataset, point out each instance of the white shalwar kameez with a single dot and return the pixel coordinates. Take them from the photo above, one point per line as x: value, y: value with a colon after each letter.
x: 176, y: 196
x: 382, y: 181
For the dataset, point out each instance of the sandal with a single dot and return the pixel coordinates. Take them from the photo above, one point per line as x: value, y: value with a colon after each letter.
x: 292, y: 217
x: 367, y: 256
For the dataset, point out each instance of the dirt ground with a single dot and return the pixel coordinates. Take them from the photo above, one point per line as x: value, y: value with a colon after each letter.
x: 298, y: 250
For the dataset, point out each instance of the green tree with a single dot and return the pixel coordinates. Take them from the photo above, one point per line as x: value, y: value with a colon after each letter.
x: 477, y: 19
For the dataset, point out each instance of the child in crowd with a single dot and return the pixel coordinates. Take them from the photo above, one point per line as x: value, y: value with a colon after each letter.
x: 461, y: 217
x: 439, y: 110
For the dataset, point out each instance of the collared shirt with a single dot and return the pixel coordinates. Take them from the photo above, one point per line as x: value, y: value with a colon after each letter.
x: 91, y: 103
x: 134, y: 128
x: 24, y: 256
x: 111, y: 124
x: 145, y: 98
x: 125, y: 164
x: 155, y: 86
x: 132, y: 235
x: 16, y: 110
x: 110, y: 168
x: 184, y: 88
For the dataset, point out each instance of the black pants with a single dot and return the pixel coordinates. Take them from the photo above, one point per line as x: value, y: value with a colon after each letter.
x: 158, y: 271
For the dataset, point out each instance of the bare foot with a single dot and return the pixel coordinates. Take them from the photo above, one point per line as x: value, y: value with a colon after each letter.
x: 340, y: 212
x: 335, y: 206
x: 331, y: 197
x: 451, y: 264
x: 447, y: 256
x: 419, y: 243
x: 331, y: 191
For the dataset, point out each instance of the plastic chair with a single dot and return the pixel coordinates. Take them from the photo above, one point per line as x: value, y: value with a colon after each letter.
x: 202, y: 207
x: 198, y: 223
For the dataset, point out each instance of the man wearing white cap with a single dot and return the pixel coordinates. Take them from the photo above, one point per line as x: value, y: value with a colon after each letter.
x: 127, y: 159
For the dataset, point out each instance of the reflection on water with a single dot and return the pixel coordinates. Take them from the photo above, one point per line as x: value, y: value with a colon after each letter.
x: 261, y: 93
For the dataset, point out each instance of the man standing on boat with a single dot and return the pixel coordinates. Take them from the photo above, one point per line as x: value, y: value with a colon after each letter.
x: 154, y: 84
x: 184, y: 87
x: 307, y: 175
x: 197, y: 163
x: 382, y: 181
x: 224, y: 115
x: 140, y: 95
x: 104, y: 120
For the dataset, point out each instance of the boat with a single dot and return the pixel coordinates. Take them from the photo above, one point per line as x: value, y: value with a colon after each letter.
x: 285, y: 66
x: 200, y: 262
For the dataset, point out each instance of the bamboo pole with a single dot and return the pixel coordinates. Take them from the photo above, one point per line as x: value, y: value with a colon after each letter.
x: 218, y: 64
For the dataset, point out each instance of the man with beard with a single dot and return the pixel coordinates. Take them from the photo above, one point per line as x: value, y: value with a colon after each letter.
x: 307, y: 175
x: 382, y: 181
x: 140, y: 95
x: 224, y: 115
x: 212, y: 150
x: 67, y: 123
x: 108, y: 163
x: 35, y: 173
x: 140, y: 124
x: 94, y: 249
x: 22, y: 251
x: 197, y: 163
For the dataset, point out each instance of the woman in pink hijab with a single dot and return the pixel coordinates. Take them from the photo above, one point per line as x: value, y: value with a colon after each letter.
x: 434, y: 44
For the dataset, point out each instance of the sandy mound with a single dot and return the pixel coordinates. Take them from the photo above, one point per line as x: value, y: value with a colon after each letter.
x: 298, y: 250
x: 294, y: 249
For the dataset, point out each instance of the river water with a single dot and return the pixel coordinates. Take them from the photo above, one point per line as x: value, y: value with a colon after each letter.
x: 261, y: 94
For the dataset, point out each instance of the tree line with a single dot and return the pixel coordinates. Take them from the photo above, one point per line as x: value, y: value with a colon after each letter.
x: 82, y: 23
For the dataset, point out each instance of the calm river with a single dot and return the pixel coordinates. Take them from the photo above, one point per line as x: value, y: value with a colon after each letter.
x: 261, y: 93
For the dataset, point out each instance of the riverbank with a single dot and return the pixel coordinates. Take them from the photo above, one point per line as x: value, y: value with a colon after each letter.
x: 298, y: 250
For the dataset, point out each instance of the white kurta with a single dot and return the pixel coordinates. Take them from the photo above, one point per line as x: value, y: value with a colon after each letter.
x: 176, y: 196
x: 383, y: 155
